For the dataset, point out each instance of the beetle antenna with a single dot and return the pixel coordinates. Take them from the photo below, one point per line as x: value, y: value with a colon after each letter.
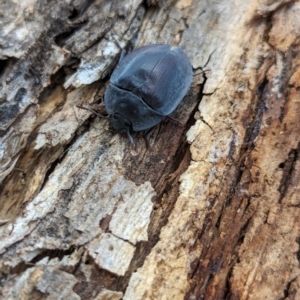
x: 146, y: 137
x: 123, y: 51
x: 130, y: 137
x: 93, y: 111
x: 202, y: 71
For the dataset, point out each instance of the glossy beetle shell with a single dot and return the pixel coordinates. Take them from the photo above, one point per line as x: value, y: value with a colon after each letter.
x: 148, y: 84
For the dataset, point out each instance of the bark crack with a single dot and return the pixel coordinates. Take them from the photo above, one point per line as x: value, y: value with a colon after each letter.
x: 288, y: 167
x: 288, y: 293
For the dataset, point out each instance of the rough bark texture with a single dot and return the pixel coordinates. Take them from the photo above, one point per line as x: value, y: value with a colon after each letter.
x: 210, y: 211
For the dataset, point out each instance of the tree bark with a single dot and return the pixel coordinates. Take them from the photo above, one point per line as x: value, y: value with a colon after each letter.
x: 209, y: 211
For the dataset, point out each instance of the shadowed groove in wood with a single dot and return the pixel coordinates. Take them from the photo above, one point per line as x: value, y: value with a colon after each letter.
x: 240, y: 203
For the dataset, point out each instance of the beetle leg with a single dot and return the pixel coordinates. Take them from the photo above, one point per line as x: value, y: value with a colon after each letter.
x: 202, y: 71
x: 93, y: 111
x: 146, y: 137
x: 123, y: 51
x: 130, y: 138
x: 174, y: 120
x: 122, y: 55
x: 97, y: 106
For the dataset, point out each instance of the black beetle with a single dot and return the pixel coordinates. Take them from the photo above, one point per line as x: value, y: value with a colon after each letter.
x: 146, y: 86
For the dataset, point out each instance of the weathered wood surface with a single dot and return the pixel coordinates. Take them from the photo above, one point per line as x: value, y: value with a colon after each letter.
x: 211, y: 211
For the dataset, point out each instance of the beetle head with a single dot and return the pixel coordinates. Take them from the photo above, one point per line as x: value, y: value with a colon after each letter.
x: 121, y: 124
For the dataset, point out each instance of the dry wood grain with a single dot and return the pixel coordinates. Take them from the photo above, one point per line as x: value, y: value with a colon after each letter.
x: 209, y: 211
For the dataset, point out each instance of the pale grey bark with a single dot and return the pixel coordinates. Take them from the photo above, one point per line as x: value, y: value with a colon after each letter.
x: 210, y: 211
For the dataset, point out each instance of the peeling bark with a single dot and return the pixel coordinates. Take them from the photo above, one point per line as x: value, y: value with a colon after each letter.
x: 209, y: 211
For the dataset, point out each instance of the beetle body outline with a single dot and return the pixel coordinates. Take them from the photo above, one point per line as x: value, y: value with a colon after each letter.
x: 147, y: 85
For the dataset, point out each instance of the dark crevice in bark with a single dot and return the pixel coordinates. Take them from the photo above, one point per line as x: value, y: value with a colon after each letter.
x: 53, y: 253
x: 243, y: 231
x: 20, y: 268
x: 210, y: 94
x: 56, y: 79
x: 206, y: 224
x: 258, y: 19
x: 252, y: 124
x: 88, y: 287
x: 252, y: 131
x: 49, y: 171
x: 246, y: 207
x: 74, y: 14
x: 80, y: 10
x: 288, y: 167
x: 287, y: 61
x: 288, y: 293
x: 203, y: 120
x: 219, y: 219
x: 6, y: 65
x: 298, y: 252
x: 158, y: 3
x: 184, y: 146
x: 227, y: 290
x: 69, y: 31
x: 211, y: 54
x: 3, y: 65
x: 232, y: 146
